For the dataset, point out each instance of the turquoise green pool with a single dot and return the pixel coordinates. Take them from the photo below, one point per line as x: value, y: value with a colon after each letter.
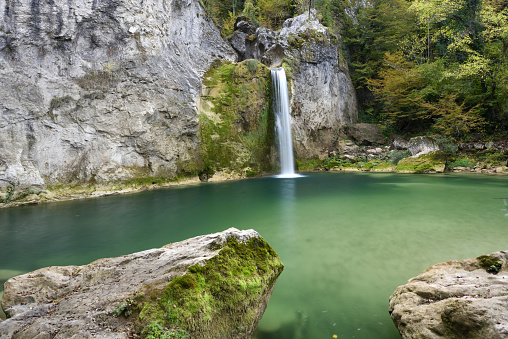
x: 347, y: 239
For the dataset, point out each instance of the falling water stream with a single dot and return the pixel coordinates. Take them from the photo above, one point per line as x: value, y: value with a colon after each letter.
x: 283, y: 123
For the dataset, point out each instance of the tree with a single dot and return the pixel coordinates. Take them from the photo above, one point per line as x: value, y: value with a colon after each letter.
x: 273, y: 13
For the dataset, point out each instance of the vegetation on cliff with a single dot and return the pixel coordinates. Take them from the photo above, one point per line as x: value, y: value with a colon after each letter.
x: 236, y: 120
x: 436, y: 66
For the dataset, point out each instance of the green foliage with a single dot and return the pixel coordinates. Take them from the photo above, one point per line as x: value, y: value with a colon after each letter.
x: 447, y: 145
x: 10, y: 194
x: 250, y: 173
x: 250, y: 11
x: 156, y: 331
x: 273, y: 13
x: 462, y: 162
x: 496, y: 158
x: 397, y: 155
x: 490, y: 264
x: 430, y: 66
x: 307, y: 164
x: 331, y: 162
x: 125, y: 308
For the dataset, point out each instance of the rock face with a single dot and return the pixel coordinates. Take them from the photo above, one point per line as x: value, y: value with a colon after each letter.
x: 212, y: 286
x: 322, y: 95
x: 455, y: 299
x: 101, y: 91
x: 422, y: 145
x: 365, y: 134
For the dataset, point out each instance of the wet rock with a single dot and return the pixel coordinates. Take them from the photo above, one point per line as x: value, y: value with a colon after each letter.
x: 365, y: 134
x: 455, y: 299
x: 119, y: 297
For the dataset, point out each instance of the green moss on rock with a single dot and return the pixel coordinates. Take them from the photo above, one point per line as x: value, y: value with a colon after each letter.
x: 236, y: 120
x: 304, y: 165
x: 383, y: 167
x: 425, y: 163
x: 216, y: 299
x: 491, y: 264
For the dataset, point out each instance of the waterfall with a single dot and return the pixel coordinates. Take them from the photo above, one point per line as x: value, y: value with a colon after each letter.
x: 283, y: 122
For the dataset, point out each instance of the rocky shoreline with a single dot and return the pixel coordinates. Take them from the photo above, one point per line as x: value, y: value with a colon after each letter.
x: 365, y: 159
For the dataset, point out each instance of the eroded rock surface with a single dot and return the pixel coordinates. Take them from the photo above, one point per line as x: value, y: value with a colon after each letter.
x: 176, y: 285
x: 455, y: 299
x: 101, y: 91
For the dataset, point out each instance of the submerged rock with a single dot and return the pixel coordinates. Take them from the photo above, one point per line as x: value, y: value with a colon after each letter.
x: 212, y: 286
x: 433, y: 162
x: 454, y: 300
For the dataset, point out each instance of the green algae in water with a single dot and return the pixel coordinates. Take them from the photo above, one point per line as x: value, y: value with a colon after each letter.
x: 347, y: 240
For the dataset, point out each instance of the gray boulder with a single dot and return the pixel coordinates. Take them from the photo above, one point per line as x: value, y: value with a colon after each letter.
x: 190, y: 287
x: 399, y: 143
x: 455, y: 299
x: 422, y: 145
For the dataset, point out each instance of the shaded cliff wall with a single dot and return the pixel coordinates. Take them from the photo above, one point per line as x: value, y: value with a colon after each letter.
x: 101, y: 90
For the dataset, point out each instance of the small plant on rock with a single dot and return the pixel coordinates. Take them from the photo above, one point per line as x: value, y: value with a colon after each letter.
x: 125, y: 308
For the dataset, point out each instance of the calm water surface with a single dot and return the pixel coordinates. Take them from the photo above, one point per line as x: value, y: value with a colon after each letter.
x: 347, y: 240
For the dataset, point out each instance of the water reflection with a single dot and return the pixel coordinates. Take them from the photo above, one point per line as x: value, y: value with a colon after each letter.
x: 287, y: 203
x: 505, y: 206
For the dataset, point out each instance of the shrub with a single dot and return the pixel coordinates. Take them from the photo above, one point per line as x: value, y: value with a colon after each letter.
x: 397, y: 155
x: 463, y: 162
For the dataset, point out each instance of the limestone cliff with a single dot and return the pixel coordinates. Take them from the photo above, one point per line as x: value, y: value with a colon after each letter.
x: 211, y: 286
x: 101, y: 90
x: 323, y: 99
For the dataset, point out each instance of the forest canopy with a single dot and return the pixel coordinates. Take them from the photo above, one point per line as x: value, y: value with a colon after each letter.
x: 418, y: 66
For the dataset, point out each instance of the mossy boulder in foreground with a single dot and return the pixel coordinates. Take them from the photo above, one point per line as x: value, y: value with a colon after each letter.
x: 455, y: 300
x: 212, y: 286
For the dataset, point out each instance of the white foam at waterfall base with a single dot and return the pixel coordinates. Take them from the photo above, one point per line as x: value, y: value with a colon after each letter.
x: 283, y: 123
